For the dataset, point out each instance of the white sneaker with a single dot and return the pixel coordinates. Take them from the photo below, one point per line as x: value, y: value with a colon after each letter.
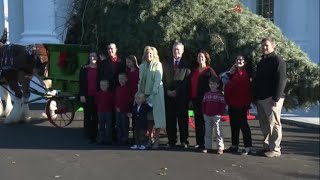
x: 246, y: 151
x: 142, y: 147
x: 134, y: 147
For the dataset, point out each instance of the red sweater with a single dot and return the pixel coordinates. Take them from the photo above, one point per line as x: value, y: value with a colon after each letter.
x: 213, y: 103
x: 237, y: 90
x: 92, y: 81
x: 104, y: 101
x: 123, y: 98
x: 133, y: 80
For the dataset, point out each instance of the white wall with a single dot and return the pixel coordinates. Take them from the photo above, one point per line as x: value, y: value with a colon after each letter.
x: 15, y: 19
x: 1, y: 15
x: 313, y: 28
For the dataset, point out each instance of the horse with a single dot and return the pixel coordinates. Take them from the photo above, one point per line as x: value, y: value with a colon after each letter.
x: 18, y: 64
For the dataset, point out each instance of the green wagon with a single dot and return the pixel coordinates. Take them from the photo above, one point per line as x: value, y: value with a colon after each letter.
x: 63, y: 67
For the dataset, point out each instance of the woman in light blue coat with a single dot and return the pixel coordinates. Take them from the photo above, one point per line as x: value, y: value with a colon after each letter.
x: 150, y: 83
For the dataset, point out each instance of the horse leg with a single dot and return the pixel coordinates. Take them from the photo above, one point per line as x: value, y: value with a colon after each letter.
x: 25, y: 85
x: 15, y: 115
x: 8, y: 104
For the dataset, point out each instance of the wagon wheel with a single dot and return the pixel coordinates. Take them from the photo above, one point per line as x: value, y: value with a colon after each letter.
x: 60, y: 111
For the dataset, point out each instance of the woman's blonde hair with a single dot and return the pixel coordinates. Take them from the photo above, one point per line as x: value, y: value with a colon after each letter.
x: 154, y: 52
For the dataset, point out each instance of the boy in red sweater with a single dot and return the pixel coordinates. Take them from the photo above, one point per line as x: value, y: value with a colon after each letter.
x: 123, y: 101
x: 213, y: 105
x: 104, y: 101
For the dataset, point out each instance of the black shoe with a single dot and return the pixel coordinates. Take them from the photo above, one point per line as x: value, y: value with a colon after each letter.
x: 232, y: 149
x: 200, y: 148
x: 172, y: 145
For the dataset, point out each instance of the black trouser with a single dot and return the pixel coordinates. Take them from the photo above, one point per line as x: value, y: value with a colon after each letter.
x: 239, y: 121
x: 177, y: 110
x: 199, y: 122
x: 90, y: 122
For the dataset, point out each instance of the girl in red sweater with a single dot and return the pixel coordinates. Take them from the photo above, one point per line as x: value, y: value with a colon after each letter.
x: 238, y: 98
x: 132, y: 74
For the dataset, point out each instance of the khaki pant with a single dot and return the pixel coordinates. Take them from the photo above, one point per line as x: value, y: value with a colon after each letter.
x: 269, y: 118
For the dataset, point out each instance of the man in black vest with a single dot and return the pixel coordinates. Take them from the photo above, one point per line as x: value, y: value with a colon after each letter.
x: 175, y: 75
x: 269, y: 85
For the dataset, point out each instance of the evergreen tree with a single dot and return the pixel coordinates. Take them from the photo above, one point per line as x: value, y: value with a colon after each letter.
x: 224, y: 28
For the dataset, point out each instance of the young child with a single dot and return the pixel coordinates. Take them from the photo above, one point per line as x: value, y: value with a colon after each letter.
x: 104, y: 101
x: 213, y: 106
x: 139, y: 113
x: 122, y: 104
x: 133, y: 80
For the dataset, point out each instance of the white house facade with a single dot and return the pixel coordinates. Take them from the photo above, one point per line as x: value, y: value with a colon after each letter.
x: 36, y: 21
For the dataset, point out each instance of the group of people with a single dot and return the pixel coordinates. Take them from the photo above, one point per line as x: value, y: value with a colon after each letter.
x: 157, y: 95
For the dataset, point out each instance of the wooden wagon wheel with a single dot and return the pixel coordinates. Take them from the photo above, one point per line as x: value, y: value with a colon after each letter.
x: 60, y: 111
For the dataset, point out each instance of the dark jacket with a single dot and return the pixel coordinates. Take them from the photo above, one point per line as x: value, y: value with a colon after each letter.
x: 271, y: 78
x: 110, y: 73
x: 176, y: 79
x: 140, y: 117
x: 203, y: 82
x: 83, y: 81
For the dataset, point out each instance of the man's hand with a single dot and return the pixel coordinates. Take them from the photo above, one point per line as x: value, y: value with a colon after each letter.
x: 273, y: 103
x: 117, y: 109
x: 129, y: 115
x: 172, y: 93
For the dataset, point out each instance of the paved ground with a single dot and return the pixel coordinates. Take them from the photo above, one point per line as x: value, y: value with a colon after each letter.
x: 38, y: 151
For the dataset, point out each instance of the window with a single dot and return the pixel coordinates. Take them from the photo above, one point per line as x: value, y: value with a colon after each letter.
x: 265, y: 8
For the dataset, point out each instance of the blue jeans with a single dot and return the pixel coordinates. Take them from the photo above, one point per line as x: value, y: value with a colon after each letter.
x: 105, y: 127
x: 122, y: 125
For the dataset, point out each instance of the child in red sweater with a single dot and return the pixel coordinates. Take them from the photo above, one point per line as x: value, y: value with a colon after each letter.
x: 238, y: 97
x: 132, y: 74
x: 104, y: 101
x: 213, y: 105
x: 123, y: 105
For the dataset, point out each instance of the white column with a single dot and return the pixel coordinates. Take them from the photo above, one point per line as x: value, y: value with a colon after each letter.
x: 39, y: 22
x: 15, y: 19
x: 1, y: 16
x: 292, y: 17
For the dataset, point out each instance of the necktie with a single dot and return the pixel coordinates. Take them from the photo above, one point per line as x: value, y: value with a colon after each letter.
x: 176, y: 64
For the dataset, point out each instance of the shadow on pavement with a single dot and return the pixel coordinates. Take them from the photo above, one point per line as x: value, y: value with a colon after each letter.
x: 39, y: 134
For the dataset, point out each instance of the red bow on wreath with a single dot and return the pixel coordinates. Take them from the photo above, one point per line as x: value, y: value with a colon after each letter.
x: 62, y: 59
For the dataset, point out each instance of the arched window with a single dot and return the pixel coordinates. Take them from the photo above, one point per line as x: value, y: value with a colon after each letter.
x: 265, y: 8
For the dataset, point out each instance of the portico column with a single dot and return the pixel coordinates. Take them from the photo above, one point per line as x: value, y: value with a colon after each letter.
x: 1, y: 16
x: 39, y: 22
x: 15, y: 20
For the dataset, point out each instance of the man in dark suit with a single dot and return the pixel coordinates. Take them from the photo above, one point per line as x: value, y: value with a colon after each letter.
x: 175, y: 72
x: 111, y: 66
